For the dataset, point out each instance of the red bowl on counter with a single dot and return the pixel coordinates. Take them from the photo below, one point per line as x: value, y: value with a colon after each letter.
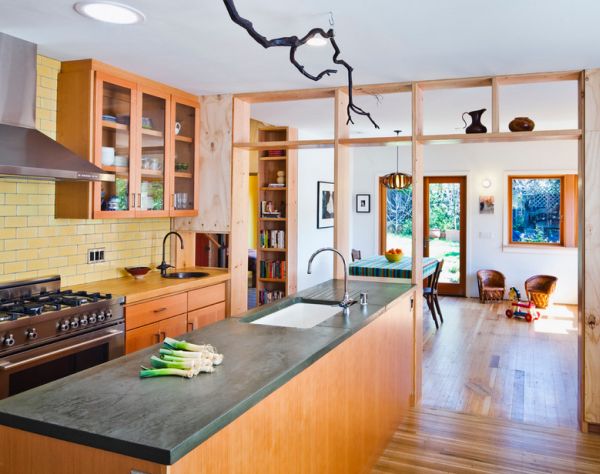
x: 137, y: 272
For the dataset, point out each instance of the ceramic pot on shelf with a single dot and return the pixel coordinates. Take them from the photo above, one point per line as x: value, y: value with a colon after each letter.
x: 521, y: 124
x: 476, y: 125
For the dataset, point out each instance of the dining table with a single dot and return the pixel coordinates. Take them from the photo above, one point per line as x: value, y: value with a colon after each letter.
x: 378, y: 266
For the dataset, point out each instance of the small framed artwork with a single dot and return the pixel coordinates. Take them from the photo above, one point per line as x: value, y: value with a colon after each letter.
x: 486, y: 204
x: 363, y: 203
x: 324, y: 204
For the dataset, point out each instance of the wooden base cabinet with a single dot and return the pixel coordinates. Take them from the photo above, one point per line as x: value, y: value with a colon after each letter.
x: 154, y: 333
x: 149, y: 322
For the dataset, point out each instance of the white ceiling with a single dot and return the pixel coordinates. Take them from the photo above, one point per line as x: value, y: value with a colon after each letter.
x: 193, y: 44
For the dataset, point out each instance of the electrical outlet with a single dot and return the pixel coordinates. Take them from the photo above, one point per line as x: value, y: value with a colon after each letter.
x: 95, y: 255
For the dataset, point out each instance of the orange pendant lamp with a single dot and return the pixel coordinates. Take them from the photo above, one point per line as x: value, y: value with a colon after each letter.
x: 397, y: 180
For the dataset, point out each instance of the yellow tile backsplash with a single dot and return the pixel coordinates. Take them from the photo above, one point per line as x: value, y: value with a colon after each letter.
x: 33, y: 243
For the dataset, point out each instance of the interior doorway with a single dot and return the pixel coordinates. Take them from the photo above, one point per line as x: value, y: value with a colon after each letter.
x: 444, y: 235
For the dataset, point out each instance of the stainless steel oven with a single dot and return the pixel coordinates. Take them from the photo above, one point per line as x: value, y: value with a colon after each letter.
x: 35, y: 367
x: 47, y: 333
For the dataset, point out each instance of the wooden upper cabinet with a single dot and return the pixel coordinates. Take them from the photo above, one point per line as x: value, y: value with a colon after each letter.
x: 144, y: 132
x: 185, y: 158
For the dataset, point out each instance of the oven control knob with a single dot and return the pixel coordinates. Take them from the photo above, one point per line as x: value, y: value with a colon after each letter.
x: 75, y: 323
x: 31, y: 334
x: 84, y: 320
x: 101, y: 316
x: 92, y: 319
x: 9, y: 340
x: 64, y: 325
x: 108, y: 314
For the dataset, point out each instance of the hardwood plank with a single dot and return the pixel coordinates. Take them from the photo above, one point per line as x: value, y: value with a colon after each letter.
x: 591, y: 246
x: 284, y: 145
x: 536, y: 135
x: 481, y: 362
x: 342, y: 185
x: 436, y: 441
x: 238, y: 244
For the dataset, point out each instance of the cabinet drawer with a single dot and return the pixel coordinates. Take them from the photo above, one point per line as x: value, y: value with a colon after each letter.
x: 203, y: 317
x: 150, y: 334
x: 206, y: 296
x: 141, y: 314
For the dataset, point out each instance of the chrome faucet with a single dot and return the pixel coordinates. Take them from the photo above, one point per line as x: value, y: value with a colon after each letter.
x: 164, y: 265
x: 346, y: 301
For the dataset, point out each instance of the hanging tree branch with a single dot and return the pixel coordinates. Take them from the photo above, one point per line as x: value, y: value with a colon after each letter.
x: 293, y: 42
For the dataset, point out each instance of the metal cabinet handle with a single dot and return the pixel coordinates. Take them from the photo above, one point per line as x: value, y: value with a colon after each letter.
x: 132, y: 201
x: 190, y: 326
x: 140, y: 200
x: 591, y: 321
x: 160, y: 310
x: 163, y: 335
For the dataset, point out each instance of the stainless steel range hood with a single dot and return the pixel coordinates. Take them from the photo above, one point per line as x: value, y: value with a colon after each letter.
x: 25, y: 151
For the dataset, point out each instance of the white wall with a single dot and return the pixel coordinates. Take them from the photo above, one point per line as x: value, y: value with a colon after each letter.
x: 313, y: 166
x: 477, y: 162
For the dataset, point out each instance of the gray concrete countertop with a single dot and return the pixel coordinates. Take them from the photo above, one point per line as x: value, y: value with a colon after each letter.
x: 161, y: 419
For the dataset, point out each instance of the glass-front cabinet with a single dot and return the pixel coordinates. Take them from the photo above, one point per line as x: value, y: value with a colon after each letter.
x: 114, y: 148
x: 152, y: 182
x: 148, y: 138
x: 184, y: 166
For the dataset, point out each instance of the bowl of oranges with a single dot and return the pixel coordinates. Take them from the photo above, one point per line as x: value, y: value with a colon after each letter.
x: 393, y: 255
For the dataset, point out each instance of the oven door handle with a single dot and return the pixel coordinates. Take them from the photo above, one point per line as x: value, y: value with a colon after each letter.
x: 66, y: 349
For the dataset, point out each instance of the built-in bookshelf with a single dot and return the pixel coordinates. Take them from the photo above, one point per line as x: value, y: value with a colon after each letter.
x: 276, y: 254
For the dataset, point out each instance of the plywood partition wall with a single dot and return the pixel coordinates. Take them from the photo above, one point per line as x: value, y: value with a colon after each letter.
x: 342, y: 184
x: 238, y: 242
x: 589, y: 274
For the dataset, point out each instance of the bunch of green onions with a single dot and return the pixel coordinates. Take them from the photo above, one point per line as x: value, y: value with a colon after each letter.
x: 182, y: 359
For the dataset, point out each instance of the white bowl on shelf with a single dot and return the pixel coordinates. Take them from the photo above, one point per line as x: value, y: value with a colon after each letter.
x: 108, y: 156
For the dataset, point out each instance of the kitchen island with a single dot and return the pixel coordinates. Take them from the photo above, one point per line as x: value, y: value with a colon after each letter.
x: 324, y: 399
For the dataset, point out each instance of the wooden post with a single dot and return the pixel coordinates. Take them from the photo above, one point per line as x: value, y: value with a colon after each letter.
x: 238, y: 242
x: 342, y: 185
x: 589, y: 248
x: 495, y: 106
x: 417, y: 237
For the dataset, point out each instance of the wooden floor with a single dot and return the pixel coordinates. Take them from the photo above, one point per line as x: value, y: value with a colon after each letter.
x: 482, y: 363
x: 436, y: 441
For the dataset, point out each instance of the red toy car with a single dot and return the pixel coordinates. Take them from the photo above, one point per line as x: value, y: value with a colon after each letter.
x: 521, y: 308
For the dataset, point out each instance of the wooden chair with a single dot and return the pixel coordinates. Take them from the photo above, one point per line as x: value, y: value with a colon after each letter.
x: 356, y: 255
x: 492, y: 285
x: 539, y: 288
x: 430, y: 293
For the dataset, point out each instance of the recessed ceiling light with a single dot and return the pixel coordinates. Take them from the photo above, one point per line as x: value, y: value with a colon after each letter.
x: 317, y: 40
x: 110, y: 12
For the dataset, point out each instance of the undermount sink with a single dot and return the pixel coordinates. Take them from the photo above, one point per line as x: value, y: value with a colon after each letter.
x: 299, y: 315
x: 182, y: 275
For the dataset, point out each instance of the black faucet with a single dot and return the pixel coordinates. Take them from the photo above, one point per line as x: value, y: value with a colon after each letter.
x: 164, y: 265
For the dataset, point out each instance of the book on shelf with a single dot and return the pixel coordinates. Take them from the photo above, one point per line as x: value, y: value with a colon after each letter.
x: 272, y: 269
x: 272, y: 239
x: 268, y: 296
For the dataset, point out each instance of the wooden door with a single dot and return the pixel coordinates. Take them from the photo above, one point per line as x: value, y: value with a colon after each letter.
x: 172, y: 327
x: 205, y: 316
x: 142, y: 337
x: 445, y: 229
x: 115, y: 122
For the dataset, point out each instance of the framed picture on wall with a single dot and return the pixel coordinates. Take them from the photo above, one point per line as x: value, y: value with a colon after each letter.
x: 363, y: 203
x: 324, y: 204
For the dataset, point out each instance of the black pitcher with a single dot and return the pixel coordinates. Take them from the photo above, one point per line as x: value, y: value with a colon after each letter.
x: 476, y: 125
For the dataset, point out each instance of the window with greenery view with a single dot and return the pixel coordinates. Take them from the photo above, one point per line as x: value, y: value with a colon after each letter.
x: 535, y: 206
